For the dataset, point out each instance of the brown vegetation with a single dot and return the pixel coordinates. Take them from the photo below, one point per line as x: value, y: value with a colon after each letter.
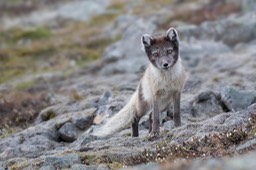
x: 19, y: 109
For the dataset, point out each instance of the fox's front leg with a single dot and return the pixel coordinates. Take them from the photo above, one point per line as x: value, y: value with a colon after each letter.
x: 176, y: 109
x: 155, y: 123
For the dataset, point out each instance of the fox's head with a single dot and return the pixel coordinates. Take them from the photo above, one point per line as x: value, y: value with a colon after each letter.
x: 163, y: 51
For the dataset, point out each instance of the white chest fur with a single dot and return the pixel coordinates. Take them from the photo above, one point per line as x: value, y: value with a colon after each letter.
x: 169, y: 80
x: 160, y: 85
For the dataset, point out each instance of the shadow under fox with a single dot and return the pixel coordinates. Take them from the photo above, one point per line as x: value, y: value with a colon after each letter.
x: 160, y: 86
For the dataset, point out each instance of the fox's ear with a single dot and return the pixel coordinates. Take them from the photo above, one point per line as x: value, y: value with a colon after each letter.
x: 172, y: 34
x: 146, y: 40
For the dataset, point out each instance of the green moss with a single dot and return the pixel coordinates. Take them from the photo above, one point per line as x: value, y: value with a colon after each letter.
x: 76, y: 96
x: 160, y: 2
x: 12, y: 1
x: 8, y: 74
x: 33, y: 34
x: 27, y: 51
x: 25, y: 85
x: 8, y: 131
x: 116, y: 165
x: 88, y: 56
x: 216, y: 79
x: 34, y: 51
x: 19, y: 164
x: 103, y: 19
x: 14, y: 35
x: 117, y: 6
x: 92, y: 51
x: 49, y: 115
x: 88, y: 159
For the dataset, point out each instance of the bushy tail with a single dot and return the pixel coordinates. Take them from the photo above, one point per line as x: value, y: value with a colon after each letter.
x: 120, y: 120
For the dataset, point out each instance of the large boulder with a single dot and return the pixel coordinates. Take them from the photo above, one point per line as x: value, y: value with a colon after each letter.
x: 126, y: 55
x: 231, y: 30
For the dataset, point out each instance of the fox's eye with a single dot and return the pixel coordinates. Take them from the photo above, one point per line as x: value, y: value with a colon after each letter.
x: 155, y: 54
x: 169, y: 51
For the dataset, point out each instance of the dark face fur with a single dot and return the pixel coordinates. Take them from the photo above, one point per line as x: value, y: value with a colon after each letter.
x: 163, y: 51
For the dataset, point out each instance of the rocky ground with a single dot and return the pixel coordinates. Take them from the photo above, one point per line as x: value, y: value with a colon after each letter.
x: 67, y: 67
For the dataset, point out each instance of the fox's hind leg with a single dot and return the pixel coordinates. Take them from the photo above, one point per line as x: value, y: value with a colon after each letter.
x: 135, y: 127
x: 150, y: 122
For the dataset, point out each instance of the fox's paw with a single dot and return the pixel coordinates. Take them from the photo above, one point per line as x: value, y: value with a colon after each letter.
x: 153, y: 135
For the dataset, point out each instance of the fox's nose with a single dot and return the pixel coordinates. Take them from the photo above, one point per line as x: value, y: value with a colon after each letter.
x: 165, y: 65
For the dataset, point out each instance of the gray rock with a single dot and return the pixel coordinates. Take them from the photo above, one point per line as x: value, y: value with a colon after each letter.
x: 248, y: 5
x: 193, y: 84
x: 23, y: 151
x: 65, y: 161
x: 18, y: 163
x: 229, y: 99
x: 31, y: 142
x: 68, y: 132
x: 128, y: 49
x: 126, y: 65
x: 150, y: 166
x: 206, y: 103
x: 241, y: 99
x: 105, y: 98
x: 111, y: 107
x: 237, y: 163
x: 83, y: 120
x: 120, y: 25
x: 78, y: 10
x: 247, y: 145
x: 82, y: 10
x: 165, y: 122
x: 36, y: 140
x: 117, y: 149
x: 194, y: 50
x: 168, y: 125
x: 83, y: 167
x: 231, y: 30
x: 103, y: 167
x: 48, y: 167
x: 89, y: 167
x: 60, y: 109
x: 84, y: 123
x: 83, y: 140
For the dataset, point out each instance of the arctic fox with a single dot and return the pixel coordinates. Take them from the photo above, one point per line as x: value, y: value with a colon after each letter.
x: 160, y: 86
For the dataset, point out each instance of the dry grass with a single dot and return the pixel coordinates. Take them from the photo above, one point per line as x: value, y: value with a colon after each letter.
x: 150, y: 7
x: 207, y: 12
x: 43, y: 49
x: 23, y: 7
x: 19, y: 109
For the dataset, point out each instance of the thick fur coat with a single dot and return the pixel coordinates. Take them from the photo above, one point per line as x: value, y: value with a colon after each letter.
x: 160, y: 86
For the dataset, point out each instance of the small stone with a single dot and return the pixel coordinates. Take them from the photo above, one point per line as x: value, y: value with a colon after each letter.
x: 68, y: 132
x: 84, y: 123
x: 48, y: 167
x: 64, y: 161
x: 247, y: 145
x: 83, y: 167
